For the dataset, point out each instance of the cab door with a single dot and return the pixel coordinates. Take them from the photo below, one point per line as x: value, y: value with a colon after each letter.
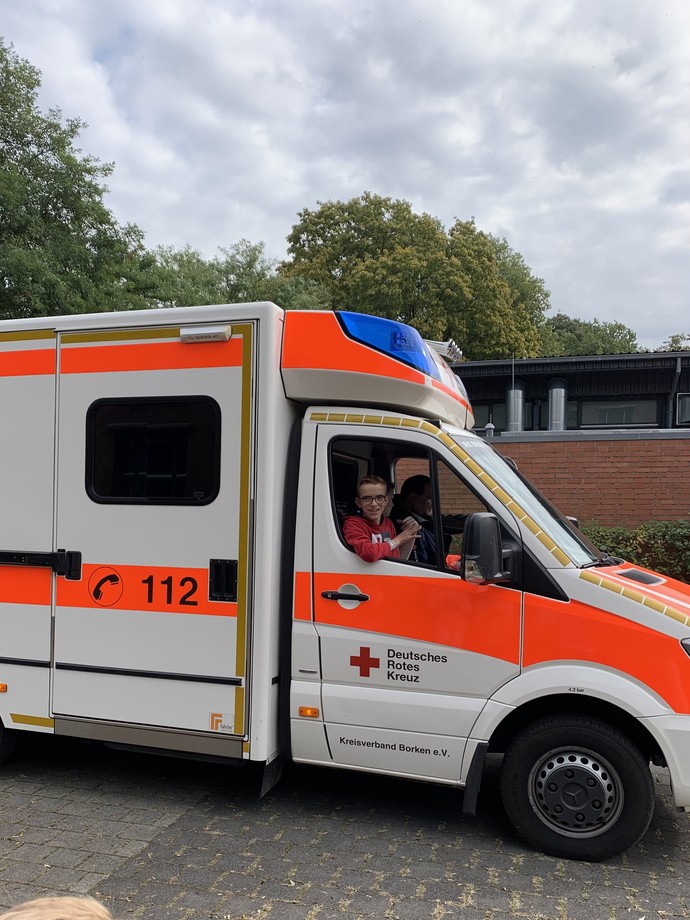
x: 409, y: 653
x: 153, y: 481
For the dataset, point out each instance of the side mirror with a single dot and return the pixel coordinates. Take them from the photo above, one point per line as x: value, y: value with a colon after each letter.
x: 482, y: 557
x: 573, y: 520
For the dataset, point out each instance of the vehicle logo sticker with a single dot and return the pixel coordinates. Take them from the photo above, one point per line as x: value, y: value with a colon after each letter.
x: 105, y: 586
x: 221, y: 722
x: 364, y: 662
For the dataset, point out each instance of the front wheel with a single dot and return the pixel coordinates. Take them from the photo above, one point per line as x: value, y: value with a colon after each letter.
x: 576, y: 787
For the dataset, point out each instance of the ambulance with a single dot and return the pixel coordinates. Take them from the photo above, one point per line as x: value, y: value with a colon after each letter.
x: 174, y: 577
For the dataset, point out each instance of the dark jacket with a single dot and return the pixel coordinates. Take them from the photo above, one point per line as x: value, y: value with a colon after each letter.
x: 424, y: 549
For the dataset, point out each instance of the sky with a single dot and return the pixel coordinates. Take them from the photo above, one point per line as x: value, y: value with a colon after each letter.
x: 563, y: 127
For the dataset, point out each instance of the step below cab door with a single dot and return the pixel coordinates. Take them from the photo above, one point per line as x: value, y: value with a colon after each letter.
x: 409, y: 651
x: 153, y: 485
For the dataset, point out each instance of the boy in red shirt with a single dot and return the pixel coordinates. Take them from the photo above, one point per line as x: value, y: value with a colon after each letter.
x: 372, y: 536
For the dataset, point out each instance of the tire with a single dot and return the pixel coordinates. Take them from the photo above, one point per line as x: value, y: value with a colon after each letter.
x: 576, y: 787
x: 8, y: 742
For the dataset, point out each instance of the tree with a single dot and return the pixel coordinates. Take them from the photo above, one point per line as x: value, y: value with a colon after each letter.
x: 678, y: 342
x: 296, y: 293
x: 375, y: 255
x: 241, y: 273
x: 527, y: 290
x: 61, y: 250
x: 188, y: 279
x: 564, y: 335
x: 487, y: 318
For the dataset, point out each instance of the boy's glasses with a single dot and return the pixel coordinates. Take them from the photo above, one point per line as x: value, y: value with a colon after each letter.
x: 370, y: 499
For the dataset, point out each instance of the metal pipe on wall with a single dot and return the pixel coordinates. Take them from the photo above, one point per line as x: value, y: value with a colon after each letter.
x: 515, y: 406
x: 558, y: 398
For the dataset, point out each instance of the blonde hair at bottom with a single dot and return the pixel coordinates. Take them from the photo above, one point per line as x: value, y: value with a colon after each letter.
x: 60, y: 908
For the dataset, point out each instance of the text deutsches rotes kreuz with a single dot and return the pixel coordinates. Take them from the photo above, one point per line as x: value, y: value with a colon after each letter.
x: 400, y: 666
x: 405, y: 666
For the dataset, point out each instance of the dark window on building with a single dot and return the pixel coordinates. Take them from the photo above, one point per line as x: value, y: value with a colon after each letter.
x: 571, y: 414
x: 616, y: 413
x: 496, y: 413
x: 163, y: 451
x: 683, y: 409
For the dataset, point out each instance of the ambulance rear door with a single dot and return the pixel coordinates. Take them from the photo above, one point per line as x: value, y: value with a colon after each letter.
x: 154, y: 435
x: 27, y: 417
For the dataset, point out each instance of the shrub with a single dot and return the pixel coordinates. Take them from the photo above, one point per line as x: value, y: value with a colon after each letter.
x: 663, y: 546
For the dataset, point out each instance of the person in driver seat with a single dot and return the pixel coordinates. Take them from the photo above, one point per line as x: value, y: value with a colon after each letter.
x: 372, y: 535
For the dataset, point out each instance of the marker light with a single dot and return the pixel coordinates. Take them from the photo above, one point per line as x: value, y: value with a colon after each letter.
x: 309, y: 712
x: 3, y: 688
x: 193, y: 334
x: 448, y: 350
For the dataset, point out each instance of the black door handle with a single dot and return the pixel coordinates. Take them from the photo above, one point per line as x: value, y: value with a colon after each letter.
x: 63, y: 562
x: 343, y: 596
x: 222, y: 580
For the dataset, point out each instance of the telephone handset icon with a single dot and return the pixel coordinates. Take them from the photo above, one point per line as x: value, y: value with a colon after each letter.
x: 108, y: 579
x: 105, y: 586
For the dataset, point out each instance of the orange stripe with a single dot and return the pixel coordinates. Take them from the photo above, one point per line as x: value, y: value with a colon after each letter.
x: 302, y: 596
x: 145, y: 356
x: 447, y: 390
x: 445, y: 611
x: 24, y: 585
x: 316, y: 341
x: 27, y: 363
x: 577, y: 632
x: 145, y: 588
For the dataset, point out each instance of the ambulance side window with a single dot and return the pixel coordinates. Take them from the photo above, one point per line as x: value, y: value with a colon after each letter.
x: 450, y: 500
x: 455, y: 501
x: 162, y: 450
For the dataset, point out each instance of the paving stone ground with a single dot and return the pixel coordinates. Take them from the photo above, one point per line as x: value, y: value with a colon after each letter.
x: 162, y: 839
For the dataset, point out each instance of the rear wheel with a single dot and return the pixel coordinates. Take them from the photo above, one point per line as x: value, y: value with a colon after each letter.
x: 8, y: 742
x: 576, y: 787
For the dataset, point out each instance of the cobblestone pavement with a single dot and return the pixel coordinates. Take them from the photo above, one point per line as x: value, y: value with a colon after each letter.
x: 162, y: 839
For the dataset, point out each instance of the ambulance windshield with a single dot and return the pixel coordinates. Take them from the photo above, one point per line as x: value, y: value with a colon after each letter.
x: 402, y: 342
x: 564, y: 534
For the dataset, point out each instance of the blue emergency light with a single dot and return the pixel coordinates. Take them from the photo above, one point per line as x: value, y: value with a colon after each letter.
x: 397, y: 340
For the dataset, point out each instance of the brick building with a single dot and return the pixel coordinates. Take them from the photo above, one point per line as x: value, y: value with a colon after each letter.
x: 606, y: 438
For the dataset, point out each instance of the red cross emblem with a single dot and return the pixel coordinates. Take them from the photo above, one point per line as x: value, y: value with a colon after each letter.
x: 364, y: 662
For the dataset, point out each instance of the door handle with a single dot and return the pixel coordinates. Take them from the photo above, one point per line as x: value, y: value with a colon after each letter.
x: 63, y: 562
x: 343, y: 596
x: 222, y: 580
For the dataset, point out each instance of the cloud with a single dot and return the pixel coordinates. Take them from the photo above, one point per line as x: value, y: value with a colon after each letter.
x: 562, y: 127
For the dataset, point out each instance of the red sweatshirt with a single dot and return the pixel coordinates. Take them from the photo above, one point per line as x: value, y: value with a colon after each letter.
x: 368, y: 540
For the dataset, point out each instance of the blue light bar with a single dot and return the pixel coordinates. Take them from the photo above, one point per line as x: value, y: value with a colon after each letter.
x: 397, y: 340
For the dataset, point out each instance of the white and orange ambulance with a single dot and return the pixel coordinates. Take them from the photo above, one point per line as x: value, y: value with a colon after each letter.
x: 173, y: 573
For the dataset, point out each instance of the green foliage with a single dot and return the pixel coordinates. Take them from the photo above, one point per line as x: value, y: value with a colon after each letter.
x: 241, y: 273
x: 527, y: 291
x: 485, y: 316
x: 678, y: 342
x: 188, y: 279
x: 375, y: 255
x: 563, y: 335
x: 663, y: 546
x: 296, y: 293
x: 61, y: 250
